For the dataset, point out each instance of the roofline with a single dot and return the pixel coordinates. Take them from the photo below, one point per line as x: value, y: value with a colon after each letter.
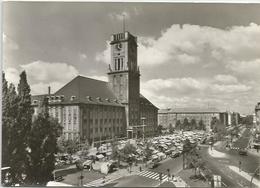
x: 189, y: 112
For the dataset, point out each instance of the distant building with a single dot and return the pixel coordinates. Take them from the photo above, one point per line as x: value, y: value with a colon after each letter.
x: 225, y: 118
x: 171, y: 116
x: 96, y: 110
x: 257, y: 114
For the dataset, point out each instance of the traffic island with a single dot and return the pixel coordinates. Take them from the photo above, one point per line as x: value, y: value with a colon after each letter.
x: 193, y: 181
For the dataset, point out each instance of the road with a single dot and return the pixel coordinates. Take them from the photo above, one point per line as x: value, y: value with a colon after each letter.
x: 149, y: 178
x: 220, y: 165
x: 249, y: 162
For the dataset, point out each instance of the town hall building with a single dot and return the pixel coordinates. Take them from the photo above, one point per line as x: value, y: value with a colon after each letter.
x: 96, y: 110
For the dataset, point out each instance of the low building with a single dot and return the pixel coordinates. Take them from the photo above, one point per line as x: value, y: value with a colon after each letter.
x: 257, y: 115
x: 171, y: 116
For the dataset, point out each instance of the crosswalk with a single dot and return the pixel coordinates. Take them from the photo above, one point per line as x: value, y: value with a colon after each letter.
x: 153, y: 175
x: 96, y: 183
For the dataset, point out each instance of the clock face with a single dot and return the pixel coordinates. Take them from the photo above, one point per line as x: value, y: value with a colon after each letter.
x: 118, y: 46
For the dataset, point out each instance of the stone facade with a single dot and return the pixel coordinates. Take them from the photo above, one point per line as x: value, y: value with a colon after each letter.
x: 171, y: 116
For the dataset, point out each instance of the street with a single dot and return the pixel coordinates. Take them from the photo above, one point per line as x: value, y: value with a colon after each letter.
x: 220, y: 165
x: 150, y: 178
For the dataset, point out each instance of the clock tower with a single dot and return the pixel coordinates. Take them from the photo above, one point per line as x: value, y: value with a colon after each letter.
x: 124, y: 76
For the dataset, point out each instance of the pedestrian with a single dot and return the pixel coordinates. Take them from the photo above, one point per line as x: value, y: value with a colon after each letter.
x: 140, y: 168
x: 240, y: 163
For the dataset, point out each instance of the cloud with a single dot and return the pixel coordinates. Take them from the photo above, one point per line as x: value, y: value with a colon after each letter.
x: 193, y: 44
x: 102, y: 78
x: 105, y: 55
x: 226, y: 79
x: 218, y: 91
x: 83, y: 56
x: 12, y: 75
x: 8, y: 43
x: 181, y: 85
x: 42, y: 88
x: 119, y: 16
x: 40, y: 71
x: 43, y: 74
x: 221, y: 88
x: 247, y: 68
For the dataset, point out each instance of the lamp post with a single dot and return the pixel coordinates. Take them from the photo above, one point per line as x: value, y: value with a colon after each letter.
x: 143, y: 124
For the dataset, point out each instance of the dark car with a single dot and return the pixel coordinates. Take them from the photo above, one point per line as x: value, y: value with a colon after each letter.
x: 242, y: 152
x: 175, y: 154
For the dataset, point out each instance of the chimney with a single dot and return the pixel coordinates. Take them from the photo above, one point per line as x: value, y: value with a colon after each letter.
x: 49, y: 90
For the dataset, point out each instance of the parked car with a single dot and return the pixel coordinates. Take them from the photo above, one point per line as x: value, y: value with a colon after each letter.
x: 242, y: 152
x: 153, y: 163
x: 175, y: 154
x: 87, y: 164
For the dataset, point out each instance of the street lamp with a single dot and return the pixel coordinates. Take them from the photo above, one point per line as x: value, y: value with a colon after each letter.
x: 143, y: 124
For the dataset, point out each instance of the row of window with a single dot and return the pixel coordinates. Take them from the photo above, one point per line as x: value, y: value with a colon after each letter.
x: 106, y: 129
x: 119, y: 63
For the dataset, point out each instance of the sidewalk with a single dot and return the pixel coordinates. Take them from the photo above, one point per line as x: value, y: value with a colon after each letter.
x: 116, y: 175
x: 185, y: 176
x: 245, y: 175
x: 216, y: 154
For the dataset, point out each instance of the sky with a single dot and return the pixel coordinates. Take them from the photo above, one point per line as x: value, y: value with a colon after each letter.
x: 190, y: 54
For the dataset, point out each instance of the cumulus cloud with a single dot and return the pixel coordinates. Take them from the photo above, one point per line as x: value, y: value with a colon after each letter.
x: 193, y: 44
x: 187, y: 92
x: 221, y: 88
x: 40, y: 71
x: 105, y: 55
x: 12, y: 75
x: 119, y: 16
x: 42, y: 74
x: 182, y: 85
x: 248, y: 68
x: 227, y: 79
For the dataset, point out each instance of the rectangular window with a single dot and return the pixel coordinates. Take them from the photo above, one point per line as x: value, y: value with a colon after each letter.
x: 122, y: 63
x: 118, y: 64
x: 96, y: 130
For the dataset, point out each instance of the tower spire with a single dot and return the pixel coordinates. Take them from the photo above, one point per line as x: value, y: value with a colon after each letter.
x: 123, y: 23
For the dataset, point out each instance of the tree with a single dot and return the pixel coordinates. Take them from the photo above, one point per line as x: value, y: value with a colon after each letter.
x: 185, y: 124
x: 159, y: 129
x: 6, y: 127
x: 186, y: 149
x: 202, y: 125
x: 196, y: 161
x: 193, y: 123
x: 42, y: 142
x: 17, y: 122
x: 171, y: 129
x: 178, y: 124
x: 127, y: 151
x: 147, y: 151
x: 116, y: 154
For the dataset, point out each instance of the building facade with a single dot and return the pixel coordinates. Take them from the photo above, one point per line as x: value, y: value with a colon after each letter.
x: 96, y: 110
x: 257, y: 115
x: 171, y: 116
